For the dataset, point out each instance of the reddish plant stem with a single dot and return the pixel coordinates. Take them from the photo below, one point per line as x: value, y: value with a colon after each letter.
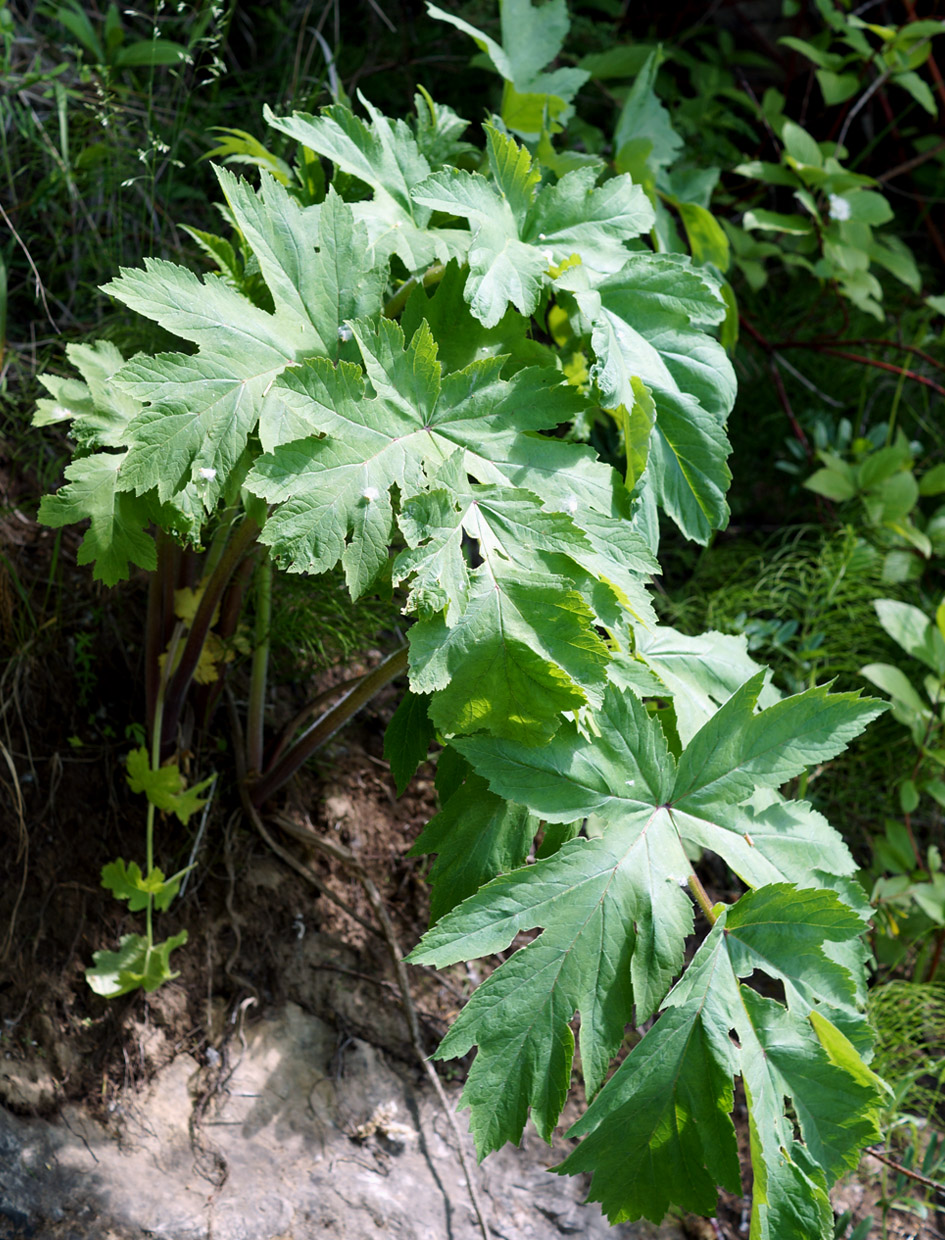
x: 282, y: 770
x: 879, y: 342
x: 239, y: 544
x: 231, y: 609
x: 872, y: 361
x: 309, y: 709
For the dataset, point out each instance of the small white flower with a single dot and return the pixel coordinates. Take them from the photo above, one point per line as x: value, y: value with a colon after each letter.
x: 208, y: 474
x: 548, y: 255
x: 370, y: 493
x: 345, y: 333
x: 839, y: 208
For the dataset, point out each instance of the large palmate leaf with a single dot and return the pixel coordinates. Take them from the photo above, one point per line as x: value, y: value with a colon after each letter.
x: 659, y: 1132
x: 522, y: 233
x: 385, y: 155
x: 201, y: 408
x: 507, y: 645
x: 649, y: 324
x: 613, y: 908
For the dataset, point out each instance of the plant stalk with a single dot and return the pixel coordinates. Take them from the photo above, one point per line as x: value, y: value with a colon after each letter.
x: 701, y: 897
x: 282, y: 770
x: 230, y: 557
x: 255, y: 714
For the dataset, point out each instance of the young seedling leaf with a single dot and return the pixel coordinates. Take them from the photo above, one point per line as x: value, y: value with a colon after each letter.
x: 128, y: 883
x: 134, y: 966
x: 165, y: 787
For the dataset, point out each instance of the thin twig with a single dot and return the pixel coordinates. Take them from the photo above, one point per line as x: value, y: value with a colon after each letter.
x: 40, y: 288
x: 913, y: 1175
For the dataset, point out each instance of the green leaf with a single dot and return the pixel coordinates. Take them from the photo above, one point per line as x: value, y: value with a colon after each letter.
x: 334, y: 493
x: 460, y: 337
x: 477, y: 836
x: 408, y: 738
x: 659, y: 1132
x: 837, y: 482
x: 384, y: 155
x: 522, y: 234
x: 116, y: 536
x: 152, y: 52
x: 912, y: 629
x: 776, y: 221
x: 800, y: 146
x: 895, y: 682
x: 918, y: 88
x: 99, y: 410
x: 644, y: 119
x: 648, y: 324
x: 531, y: 37
x: 700, y: 672
x: 165, y: 787
x: 619, y: 897
x: 134, y: 966
x: 707, y: 241
x: 836, y: 87
x: 523, y: 652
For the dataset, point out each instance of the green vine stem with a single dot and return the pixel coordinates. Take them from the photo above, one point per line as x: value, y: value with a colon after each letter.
x: 285, y: 766
x: 160, y: 611
x: 255, y: 714
x: 230, y: 556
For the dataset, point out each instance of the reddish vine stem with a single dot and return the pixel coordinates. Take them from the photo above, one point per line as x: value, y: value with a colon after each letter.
x: 878, y: 342
x: 907, y: 1171
x: 910, y: 164
x: 873, y: 361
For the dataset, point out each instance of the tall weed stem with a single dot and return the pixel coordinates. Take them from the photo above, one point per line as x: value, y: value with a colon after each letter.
x: 240, y: 541
x: 258, y: 677
x: 327, y: 725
